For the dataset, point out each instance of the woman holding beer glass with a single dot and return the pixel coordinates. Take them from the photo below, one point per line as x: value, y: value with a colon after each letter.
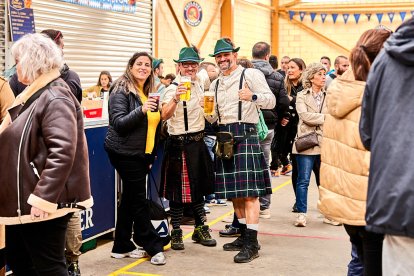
x: 133, y: 123
x: 187, y: 168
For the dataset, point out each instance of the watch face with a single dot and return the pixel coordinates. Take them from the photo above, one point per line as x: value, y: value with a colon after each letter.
x: 254, y: 97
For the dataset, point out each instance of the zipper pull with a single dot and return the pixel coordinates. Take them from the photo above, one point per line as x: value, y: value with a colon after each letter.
x: 35, y: 170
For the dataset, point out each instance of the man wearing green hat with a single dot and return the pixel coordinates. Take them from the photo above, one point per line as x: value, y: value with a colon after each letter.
x: 187, y: 173
x: 240, y: 93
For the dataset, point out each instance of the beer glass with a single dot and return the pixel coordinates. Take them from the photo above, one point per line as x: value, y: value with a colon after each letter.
x: 155, y: 95
x: 209, y: 103
x: 186, y: 81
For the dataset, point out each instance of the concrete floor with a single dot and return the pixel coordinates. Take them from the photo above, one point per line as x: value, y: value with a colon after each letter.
x: 318, y: 249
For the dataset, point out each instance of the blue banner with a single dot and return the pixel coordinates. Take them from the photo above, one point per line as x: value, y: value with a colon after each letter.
x: 21, y: 19
x: 368, y: 16
x: 127, y: 6
x: 323, y: 17
x: 346, y: 17
x: 334, y: 17
x: 356, y: 16
x: 291, y: 14
x: 391, y: 16
x: 379, y: 16
x: 313, y: 15
x: 402, y: 15
x: 302, y: 15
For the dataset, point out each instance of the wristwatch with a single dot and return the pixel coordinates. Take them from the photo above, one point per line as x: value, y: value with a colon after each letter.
x: 254, y: 97
x: 176, y: 101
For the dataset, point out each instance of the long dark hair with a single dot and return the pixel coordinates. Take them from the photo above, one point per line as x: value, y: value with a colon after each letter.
x: 366, y: 50
x: 106, y: 73
x: 288, y: 83
x: 127, y: 80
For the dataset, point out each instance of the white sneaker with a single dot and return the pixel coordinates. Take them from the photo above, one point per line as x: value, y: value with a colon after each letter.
x: 300, y: 220
x: 159, y: 259
x: 136, y: 254
x: 331, y: 222
x: 265, y: 214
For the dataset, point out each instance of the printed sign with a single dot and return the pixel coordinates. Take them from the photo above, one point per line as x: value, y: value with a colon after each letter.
x: 21, y: 18
x: 127, y: 6
x: 193, y: 13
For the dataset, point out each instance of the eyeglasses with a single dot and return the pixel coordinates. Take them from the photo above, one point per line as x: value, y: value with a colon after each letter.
x: 187, y: 65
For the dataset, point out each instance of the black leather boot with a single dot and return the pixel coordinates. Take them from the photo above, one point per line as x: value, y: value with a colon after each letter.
x: 237, y: 244
x: 250, y: 250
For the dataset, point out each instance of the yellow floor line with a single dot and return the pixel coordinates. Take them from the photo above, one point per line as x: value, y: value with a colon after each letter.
x: 139, y: 273
x: 125, y: 268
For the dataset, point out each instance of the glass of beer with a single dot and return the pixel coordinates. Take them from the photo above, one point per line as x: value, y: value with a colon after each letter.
x: 208, y: 103
x: 186, y: 81
x: 156, y: 96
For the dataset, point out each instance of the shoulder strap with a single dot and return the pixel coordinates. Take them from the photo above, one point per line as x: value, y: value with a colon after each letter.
x: 36, y: 95
x: 185, y: 116
x: 215, y: 91
x: 240, y: 102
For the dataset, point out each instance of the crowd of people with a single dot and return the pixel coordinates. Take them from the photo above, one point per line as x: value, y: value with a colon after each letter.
x: 341, y: 123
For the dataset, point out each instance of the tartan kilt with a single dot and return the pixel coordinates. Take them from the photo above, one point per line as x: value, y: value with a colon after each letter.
x: 246, y: 174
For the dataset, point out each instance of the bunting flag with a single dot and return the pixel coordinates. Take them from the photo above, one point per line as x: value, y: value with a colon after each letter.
x: 391, y: 16
x: 346, y: 17
x: 402, y: 15
x: 368, y: 16
x: 334, y: 17
x: 313, y: 15
x: 291, y: 14
x: 379, y: 16
x: 356, y: 16
x: 323, y: 17
x: 302, y: 15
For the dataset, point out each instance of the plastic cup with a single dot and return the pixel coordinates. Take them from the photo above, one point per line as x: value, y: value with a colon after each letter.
x: 155, y: 95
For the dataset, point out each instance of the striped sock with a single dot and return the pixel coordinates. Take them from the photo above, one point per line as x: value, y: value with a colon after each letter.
x: 176, y: 212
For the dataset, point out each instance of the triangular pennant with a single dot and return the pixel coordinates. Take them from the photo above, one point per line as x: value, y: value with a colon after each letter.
x: 356, y: 16
x: 313, y: 15
x: 334, y: 17
x: 323, y: 17
x: 302, y: 15
x: 391, y: 16
x: 291, y: 14
x: 346, y: 17
x: 368, y: 16
x: 379, y: 16
x: 402, y: 15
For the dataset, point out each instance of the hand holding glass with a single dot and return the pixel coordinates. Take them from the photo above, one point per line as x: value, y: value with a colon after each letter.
x: 209, y: 103
x: 186, y: 81
x: 156, y: 96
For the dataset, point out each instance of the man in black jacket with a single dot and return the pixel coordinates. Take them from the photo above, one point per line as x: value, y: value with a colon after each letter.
x: 385, y: 129
x: 261, y: 54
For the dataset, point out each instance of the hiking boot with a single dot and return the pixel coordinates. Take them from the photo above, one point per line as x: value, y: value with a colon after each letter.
x: 250, y: 250
x: 202, y: 235
x: 286, y: 169
x: 300, y: 220
x: 230, y: 231
x: 73, y: 269
x: 235, y: 245
x: 177, y: 239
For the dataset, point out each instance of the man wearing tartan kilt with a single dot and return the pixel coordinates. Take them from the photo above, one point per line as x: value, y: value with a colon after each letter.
x: 245, y: 177
x: 187, y: 172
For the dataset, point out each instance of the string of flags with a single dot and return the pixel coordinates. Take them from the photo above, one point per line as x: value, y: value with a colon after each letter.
x: 346, y: 16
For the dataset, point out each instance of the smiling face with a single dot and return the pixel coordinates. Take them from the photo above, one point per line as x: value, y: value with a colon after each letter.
x: 141, y: 69
x: 226, y: 61
x: 293, y: 71
x: 318, y: 80
x: 189, y: 69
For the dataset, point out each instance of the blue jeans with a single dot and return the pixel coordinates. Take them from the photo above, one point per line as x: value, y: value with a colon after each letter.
x: 355, y: 267
x: 305, y: 166
x: 265, y: 144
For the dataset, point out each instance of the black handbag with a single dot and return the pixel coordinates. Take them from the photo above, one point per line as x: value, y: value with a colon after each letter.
x: 224, y: 148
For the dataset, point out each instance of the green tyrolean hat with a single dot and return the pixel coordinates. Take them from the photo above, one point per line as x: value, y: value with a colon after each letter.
x: 156, y: 62
x: 222, y: 46
x: 188, y: 54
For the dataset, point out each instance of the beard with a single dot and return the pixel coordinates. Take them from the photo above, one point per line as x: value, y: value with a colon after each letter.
x: 340, y: 72
x: 225, y: 65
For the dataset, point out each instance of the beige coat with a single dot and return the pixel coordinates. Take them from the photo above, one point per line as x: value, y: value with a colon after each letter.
x: 6, y: 98
x: 309, y: 119
x: 345, y: 162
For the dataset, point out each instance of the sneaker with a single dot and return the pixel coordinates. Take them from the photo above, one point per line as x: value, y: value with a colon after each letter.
x: 286, y: 169
x: 202, y: 235
x: 217, y: 202
x: 159, y: 259
x: 136, y: 254
x: 300, y: 220
x: 265, y: 214
x: 331, y: 222
x: 73, y: 269
x: 275, y: 173
x: 230, y: 231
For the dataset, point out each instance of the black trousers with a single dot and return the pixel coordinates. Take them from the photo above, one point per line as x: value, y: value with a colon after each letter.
x: 369, y: 248
x: 133, y: 212
x: 316, y: 170
x: 37, y: 248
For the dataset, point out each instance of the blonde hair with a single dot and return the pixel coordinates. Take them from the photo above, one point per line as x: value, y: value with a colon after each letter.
x: 37, y: 55
x: 310, y: 72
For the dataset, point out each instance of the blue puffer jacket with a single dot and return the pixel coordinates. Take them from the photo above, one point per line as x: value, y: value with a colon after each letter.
x: 386, y: 129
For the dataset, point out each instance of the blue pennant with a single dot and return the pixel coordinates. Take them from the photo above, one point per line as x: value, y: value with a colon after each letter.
x: 346, y: 17
x: 302, y: 15
x: 323, y: 17
x: 334, y: 17
x: 313, y: 15
x: 379, y: 16
x: 391, y: 16
x: 291, y: 14
x: 368, y: 16
x: 402, y: 15
x: 356, y: 16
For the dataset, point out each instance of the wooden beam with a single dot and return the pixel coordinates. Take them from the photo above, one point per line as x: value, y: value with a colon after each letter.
x: 178, y: 23
x: 291, y: 4
x: 227, y: 19
x: 315, y: 33
x: 275, y: 28
x: 219, y: 5
x: 257, y: 5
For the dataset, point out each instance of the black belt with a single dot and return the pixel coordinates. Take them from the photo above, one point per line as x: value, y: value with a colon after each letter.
x: 70, y: 205
x: 197, y: 136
